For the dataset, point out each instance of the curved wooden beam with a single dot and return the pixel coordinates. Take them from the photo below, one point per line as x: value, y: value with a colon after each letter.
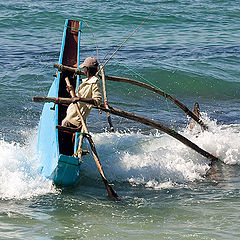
x: 134, y: 117
x: 143, y: 85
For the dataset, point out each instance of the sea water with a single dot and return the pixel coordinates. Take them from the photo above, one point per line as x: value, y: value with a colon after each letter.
x: 189, y: 49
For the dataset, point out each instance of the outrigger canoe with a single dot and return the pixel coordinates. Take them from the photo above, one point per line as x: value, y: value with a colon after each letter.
x: 57, y: 149
x: 60, y: 152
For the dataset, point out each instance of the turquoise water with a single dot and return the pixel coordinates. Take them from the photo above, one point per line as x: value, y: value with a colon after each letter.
x: 190, y: 49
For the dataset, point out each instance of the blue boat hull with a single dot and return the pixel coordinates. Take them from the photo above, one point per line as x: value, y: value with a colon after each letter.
x: 67, y: 172
x: 56, y: 149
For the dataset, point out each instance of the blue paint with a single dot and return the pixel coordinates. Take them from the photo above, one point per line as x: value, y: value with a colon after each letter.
x: 67, y: 171
x: 47, y: 145
x: 63, y: 170
x: 63, y: 42
x: 78, y: 79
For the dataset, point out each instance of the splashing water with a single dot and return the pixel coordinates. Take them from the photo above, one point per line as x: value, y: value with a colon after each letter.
x: 159, y: 161
x: 220, y: 140
x: 20, y: 176
x: 155, y: 161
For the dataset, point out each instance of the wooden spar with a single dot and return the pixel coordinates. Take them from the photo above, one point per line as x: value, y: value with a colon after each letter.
x: 63, y: 68
x: 111, y: 192
x: 140, y: 119
x: 144, y: 85
x: 161, y: 127
x: 196, y: 111
x: 149, y: 87
x: 105, y: 99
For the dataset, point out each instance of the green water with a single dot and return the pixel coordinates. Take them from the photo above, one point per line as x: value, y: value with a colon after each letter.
x: 190, y: 49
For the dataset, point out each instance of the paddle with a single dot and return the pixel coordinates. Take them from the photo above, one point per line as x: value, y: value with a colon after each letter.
x: 111, y: 192
x: 140, y: 84
x: 137, y: 118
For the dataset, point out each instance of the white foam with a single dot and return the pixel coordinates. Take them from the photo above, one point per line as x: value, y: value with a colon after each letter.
x: 160, y: 161
x: 20, y: 174
x: 155, y: 161
x: 221, y: 140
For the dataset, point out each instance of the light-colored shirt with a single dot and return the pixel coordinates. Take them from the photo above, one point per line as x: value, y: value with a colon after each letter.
x: 89, y: 88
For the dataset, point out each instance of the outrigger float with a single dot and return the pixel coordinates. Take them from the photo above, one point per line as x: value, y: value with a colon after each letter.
x: 60, y: 149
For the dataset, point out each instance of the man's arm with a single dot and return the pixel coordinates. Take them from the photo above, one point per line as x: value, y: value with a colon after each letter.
x: 96, y: 96
x: 86, y: 100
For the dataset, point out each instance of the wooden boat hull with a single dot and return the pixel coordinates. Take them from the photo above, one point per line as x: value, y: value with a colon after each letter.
x: 55, y: 148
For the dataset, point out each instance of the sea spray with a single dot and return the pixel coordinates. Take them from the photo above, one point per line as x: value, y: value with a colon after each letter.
x: 222, y: 140
x: 191, y: 50
x: 149, y: 160
x: 159, y: 161
x: 20, y: 176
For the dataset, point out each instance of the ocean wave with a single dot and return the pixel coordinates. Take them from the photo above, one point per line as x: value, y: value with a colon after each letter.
x: 154, y: 160
x: 20, y: 176
x: 179, y: 82
x: 160, y: 161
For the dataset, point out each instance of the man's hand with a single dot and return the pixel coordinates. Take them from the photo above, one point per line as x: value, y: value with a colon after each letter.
x: 69, y: 88
x: 75, y: 99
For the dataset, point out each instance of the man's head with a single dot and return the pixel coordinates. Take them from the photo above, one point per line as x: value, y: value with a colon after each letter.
x: 90, y: 66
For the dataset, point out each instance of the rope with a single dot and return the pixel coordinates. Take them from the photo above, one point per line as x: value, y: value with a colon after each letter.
x: 95, y: 41
x: 152, y: 84
x: 135, y: 30
x: 77, y: 152
x: 80, y: 149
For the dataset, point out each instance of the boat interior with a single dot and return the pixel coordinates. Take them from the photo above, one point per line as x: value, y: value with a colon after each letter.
x: 70, y: 58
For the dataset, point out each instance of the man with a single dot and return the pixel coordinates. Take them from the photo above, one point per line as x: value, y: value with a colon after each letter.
x: 89, y: 90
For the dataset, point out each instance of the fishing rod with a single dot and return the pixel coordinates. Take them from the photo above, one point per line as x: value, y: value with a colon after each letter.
x: 131, y: 34
x: 102, y: 67
x: 179, y: 104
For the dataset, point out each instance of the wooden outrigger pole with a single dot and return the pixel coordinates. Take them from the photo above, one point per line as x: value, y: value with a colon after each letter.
x: 140, y: 84
x: 105, y: 99
x: 134, y: 117
x: 111, y: 192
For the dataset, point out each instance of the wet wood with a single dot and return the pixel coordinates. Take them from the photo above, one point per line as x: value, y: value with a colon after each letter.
x: 143, y: 120
x: 111, y: 192
x: 196, y: 112
x: 105, y: 99
x: 160, y: 126
x: 144, y: 85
